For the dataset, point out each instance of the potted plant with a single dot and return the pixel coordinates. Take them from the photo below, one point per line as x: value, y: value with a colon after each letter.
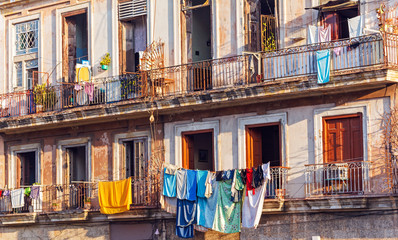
x: 55, y: 206
x: 87, y: 203
x: 44, y: 97
x: 105, y: 61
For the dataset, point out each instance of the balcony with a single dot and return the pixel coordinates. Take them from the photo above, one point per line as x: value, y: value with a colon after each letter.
x: 223, y: 79
x: 80, y: 196
x: 337, y: 178
x: 276, y: 187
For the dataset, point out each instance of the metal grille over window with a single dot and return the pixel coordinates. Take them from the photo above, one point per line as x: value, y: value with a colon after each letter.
x: 131, y: 9
x: 26, y: 37
x: 18, y: 72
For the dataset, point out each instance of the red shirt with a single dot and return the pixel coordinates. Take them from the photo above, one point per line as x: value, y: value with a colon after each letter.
x: 249, y: 181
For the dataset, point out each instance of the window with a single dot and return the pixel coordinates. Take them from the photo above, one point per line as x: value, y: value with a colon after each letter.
x: 27, y: 37
x: 26, y: 54
x: 197, y: 150
x: 342, y: 140
x: 136, y: 160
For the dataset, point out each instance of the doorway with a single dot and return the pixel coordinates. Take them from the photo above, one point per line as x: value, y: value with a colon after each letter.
x: 198, y: 150
x: 74, y: 42
x: 27, y: 161
x: 78, y: 189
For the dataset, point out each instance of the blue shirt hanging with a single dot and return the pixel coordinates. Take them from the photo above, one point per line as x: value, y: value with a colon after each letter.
x: 201, y: 182
x: 169, y: 185
x: 323, y: 63
x: 191, y: 185
x: 186, y: 217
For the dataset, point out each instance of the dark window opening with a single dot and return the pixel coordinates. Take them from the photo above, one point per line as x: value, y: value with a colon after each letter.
x: 338, y: 22
x: 267, y: 7
x: 201, y: 33
x: 198, y: 150
x: 75, y: 44
x: 77, y: 164
x: 28, y: 168
x: 136, y: 158
x: 133, y: 43
x: 263, y: 145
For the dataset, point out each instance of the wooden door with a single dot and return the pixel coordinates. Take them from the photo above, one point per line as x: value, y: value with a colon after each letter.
x: 188, y: 160
x: 253, y: 147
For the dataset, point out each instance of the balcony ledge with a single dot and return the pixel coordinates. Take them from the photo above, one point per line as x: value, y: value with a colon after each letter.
x: 332, y: 203
x: 281, y: 89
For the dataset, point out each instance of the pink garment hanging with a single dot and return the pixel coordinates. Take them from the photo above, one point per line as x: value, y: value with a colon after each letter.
x: 78, y: 87
x: 89, y: 89
x: 324, y: 34
x: 337, y: 51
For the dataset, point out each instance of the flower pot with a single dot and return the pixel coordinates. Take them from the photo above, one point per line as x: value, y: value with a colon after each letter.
x: 87, y: 205
x: 104, y: 67
x: 39, y: 108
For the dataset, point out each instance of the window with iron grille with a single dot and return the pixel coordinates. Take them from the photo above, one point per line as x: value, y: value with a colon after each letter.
x: 27, y: 35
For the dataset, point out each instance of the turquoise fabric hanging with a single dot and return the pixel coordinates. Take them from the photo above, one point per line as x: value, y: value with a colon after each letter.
x: 323, y: 63
x: 227, y: 218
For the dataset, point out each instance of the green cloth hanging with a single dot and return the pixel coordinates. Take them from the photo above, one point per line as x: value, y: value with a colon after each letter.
x: 27, y: 191
x: 227, y: 218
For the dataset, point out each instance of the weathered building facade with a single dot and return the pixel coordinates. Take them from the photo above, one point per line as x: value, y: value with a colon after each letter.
x: 212, y: 85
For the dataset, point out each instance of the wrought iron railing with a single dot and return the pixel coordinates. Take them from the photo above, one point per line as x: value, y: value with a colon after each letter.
x: 238, y: 71
x: 345, y: 54
x: 276, y: 186
x: 351, y: 177
x: 79, y: 195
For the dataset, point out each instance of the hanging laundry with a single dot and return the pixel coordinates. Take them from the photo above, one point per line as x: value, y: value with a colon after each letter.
x: 266, y: 171
x: 35, y: 190
x: 324, y: 34
x: 227, y: 218
x: 237, y: 187
x: 78, y: 87
x: 186, y: 217
x: 258, y: 177
x: 169, y: 184
x: 323, y: 63
x: 355, y: 26
x: 6, y: 193
x: 191, y: 185
x: 209, y: 181
x: 243, y: 175
x: 312, y: 34
x: 228, y: 175
x: 1, y: 193
x: 219, y: 175
x: 170, y: 169
x: 17, y: 198
x: 27, y: 191
x: 115, y: 197
x: 253, y: 206
x: 337, y: 51
x: 249, y: 180
x: 201, y: 182
x: 207, y: 208
x: 89, y: 90
x: 181, y: 183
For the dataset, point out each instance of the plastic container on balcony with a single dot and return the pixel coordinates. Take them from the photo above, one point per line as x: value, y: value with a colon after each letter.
x: 104, y: 67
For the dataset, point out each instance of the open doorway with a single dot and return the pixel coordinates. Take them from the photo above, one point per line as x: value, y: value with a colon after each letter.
x: 133, y: 41
x: 201, y: 32
x: 77, y: 164
x: 136, y: 161
x: 198, y: 150
x: 263, y: 145
x: 77, y: 188
x: 27, y: 168
x: 74, y: 42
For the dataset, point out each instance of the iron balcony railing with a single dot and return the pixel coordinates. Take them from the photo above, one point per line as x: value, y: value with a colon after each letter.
x: 80, y: 195
x: 276, y: 187
x: 337, y: 178
x: 348, y: 55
